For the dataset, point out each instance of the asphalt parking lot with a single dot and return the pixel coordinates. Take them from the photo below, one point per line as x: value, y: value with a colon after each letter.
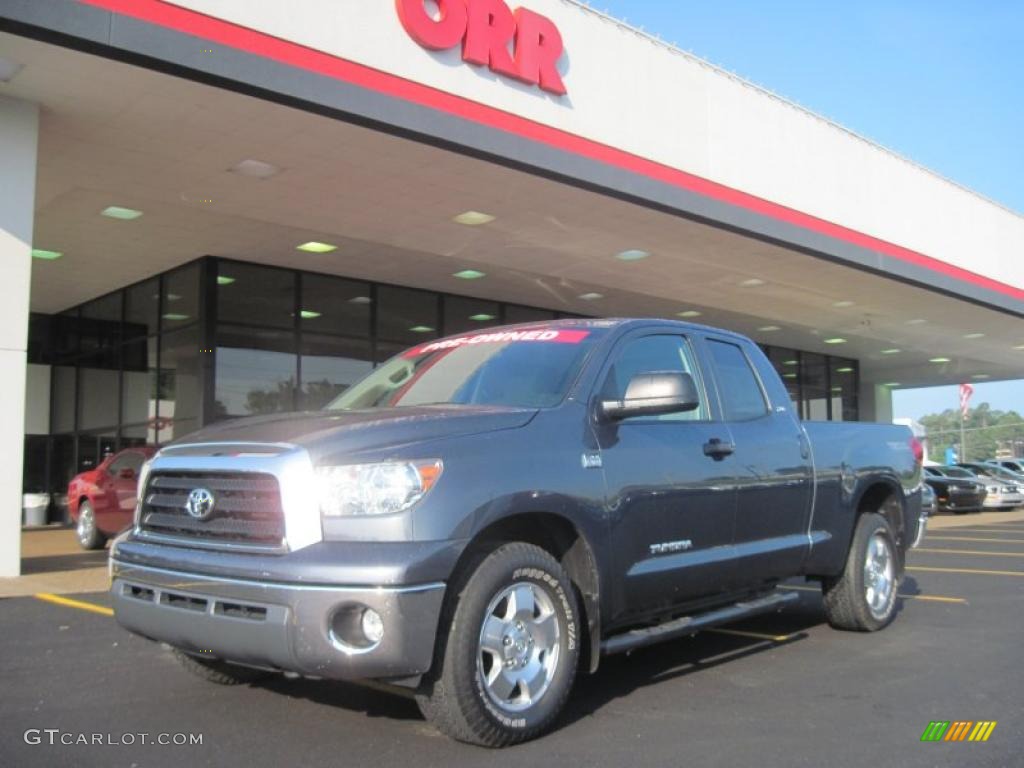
x: 783, y: 690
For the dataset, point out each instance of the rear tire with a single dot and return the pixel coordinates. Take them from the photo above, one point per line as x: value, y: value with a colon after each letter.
x: 507, y: 656
x: 219, y: 672
x: 89, y: 536
x: 863, y: 597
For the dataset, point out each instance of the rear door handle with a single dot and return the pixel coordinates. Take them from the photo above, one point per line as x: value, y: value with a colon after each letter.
x: 717, y: 448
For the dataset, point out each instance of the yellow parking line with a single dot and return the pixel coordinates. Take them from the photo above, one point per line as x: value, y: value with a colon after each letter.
x: 757, y: 635
x: 969, y: 538
x: 79, y: 604
x: 972, y: 552
x: 929, y: 598
x: 964, y: 570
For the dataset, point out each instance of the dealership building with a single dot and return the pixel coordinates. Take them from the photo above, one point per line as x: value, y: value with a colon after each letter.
x: 220, y: 208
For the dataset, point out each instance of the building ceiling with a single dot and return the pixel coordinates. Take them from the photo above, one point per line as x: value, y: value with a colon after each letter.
x: 115, y: 134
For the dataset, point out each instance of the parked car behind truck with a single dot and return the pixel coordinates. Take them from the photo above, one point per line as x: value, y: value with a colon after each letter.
x: 102, y: 501
x: 485, y: 515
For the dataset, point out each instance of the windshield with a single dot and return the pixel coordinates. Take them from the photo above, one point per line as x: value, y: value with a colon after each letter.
x: 957, y: 472
x: 524, y: 367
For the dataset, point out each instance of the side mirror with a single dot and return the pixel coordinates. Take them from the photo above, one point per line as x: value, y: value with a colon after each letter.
x: 127, y: 474
x: 654, y: 394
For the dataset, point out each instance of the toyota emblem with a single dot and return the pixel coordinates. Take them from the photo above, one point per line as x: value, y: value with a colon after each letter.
x: 200, y: 503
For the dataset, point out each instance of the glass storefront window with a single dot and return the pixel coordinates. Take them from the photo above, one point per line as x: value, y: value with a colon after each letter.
x: 62, y: 397
x: 843, y: 374
x: 330, y: 365
x: 255, y: 295
x: 516, y: 314
x: 462, y: 315
x: 141, y: 311
x: 335, y: 305
x: 98, y: 391
x: 138, y: 401
x: 255, y: 372
x: 814, y: 386
x: 100, y: 330
x: 406, y: 315
x: 179, y: 384
x: 180, y: 298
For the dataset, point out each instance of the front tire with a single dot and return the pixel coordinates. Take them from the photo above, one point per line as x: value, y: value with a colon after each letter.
x: 507, y: 657
x: 863, y: 597
x: 89, y: 536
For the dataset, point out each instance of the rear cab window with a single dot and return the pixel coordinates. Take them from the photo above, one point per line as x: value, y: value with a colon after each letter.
x: 740, y: 390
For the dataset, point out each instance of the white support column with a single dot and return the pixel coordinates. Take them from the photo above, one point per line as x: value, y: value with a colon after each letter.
x: 19, y: 129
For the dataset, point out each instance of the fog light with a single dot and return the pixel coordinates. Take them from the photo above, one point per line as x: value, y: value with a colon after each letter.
x: 373, y: 626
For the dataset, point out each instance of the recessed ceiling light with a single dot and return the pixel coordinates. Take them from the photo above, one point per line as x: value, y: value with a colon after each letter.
x: 917, y: 321
x: 836, y: 340
x: 792, y: 362
x: 175, y: 317
x: 837, y: 389
x: 173, y: 297
x: 844, y: 370
x: 117, y: 212
x: 893, y: 351
x: 974, y: 335
x: 689, y: 313
x: 940, y: 360
x: 224, y: 280
x: 315, y: 247
x: 769, y: 328
x: 39, y: 253
x: 591, y: 296
x: 1019, y: 347
x: 892, y: 384
x: 360, y: 300
x: 789, y: 375
x: 421, y: 329
x: 483, y: 317
x: 8, y: 69
x: 981, y: 376
x: 308, y: 314
x: 255, y: 169
x: 841, y: 304
x: 753, y: 282
x: 470, y: 274
x: 632, y: 255
x: 473, y: 218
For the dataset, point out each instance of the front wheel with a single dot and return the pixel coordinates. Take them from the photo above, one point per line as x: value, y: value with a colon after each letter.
x: 863, y: 597
x: 507, y: 658
x: 89, y: 536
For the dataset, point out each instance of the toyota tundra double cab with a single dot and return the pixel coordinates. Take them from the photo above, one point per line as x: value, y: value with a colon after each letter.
x: 486, y: 515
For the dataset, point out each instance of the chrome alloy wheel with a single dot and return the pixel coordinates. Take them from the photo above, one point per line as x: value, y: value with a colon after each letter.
x: 879, y: 576
x: 86, y: 528
x: 519, y: 647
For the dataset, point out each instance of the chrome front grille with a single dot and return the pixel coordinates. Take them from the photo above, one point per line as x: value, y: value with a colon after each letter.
x: 246, y: 507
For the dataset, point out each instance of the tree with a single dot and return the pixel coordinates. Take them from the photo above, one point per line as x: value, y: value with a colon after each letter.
x: 986, y: 431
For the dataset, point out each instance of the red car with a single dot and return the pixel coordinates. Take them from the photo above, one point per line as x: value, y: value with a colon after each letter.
x: 102, y: 500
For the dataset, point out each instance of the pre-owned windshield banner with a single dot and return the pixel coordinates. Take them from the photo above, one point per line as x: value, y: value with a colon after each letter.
x: 533, y: 335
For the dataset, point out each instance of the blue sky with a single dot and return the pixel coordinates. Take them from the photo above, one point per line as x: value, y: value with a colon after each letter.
x: 940, y: 82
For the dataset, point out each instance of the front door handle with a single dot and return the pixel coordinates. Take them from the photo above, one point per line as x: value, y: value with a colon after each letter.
x: 718, y: 449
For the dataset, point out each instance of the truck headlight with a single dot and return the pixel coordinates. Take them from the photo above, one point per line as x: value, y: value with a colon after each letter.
x: 140, y: 491
x: 375, y: 489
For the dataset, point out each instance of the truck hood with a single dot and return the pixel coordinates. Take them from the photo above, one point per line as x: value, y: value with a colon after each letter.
x: 332, y: 433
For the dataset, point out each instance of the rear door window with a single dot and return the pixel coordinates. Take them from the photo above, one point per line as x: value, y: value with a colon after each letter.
x: 742, y: 396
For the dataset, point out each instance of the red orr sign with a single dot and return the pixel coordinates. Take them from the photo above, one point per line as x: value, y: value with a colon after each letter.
x: 520, y: 44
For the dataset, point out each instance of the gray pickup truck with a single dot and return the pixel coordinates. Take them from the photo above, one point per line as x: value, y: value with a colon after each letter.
x: 484, y: 515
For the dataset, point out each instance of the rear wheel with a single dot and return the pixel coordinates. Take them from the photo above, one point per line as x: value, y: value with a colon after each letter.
x: 89, y: 536
x: 508, y: 655
x: 219, y: 672
x: 863, y: 597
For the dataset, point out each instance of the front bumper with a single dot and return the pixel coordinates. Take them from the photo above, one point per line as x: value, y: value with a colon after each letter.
x: 281, y: 626
x: 1003, y: 500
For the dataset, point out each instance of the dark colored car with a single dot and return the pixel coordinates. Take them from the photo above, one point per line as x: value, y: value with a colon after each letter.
x: 484, y: 516
x: 102, y: 500
x: 957, y: 495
